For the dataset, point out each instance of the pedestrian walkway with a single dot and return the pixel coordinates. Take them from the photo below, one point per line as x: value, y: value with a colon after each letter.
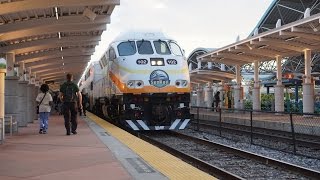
x: 32, y: 156
x: 99, y: 151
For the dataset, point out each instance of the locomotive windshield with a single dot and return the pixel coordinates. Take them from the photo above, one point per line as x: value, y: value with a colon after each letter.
x: 127, y: 48
x: 144, y: 47
x: 175, y: 49
x: 161, y: 47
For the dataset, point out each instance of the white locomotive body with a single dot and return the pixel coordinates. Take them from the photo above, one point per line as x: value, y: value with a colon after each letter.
x: 145, y: 83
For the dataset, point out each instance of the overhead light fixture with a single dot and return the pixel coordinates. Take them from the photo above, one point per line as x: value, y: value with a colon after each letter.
x: 62, y: 64
x: 56, y: 10
x: 262, y: 46
x: 61, y: 57
x: 291, y: 38
x: 59, y: 34
x: 89, y: 14
x: 60, y: 48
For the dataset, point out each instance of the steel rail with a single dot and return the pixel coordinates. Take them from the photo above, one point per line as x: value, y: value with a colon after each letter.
x: 211, y: 169
x: 263, y: 159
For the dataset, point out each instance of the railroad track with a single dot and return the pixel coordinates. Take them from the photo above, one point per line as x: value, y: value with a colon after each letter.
x: 308, y: 141
x: 226, y: 162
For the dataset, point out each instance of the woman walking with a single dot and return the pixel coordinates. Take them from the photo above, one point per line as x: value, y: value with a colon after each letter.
x: 44, y: 100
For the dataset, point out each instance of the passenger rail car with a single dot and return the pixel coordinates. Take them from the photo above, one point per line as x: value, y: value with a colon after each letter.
x: 146, y: 82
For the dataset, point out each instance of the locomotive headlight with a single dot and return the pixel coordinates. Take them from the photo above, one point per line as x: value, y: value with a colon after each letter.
x: 159, y: 63
x: 130, y: 84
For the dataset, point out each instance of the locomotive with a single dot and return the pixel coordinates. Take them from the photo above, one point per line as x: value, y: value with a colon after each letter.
x: 142, y: 82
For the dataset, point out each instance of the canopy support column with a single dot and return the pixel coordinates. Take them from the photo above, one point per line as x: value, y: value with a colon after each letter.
x: 256, y: 102
x: 208, y: 95
x: 308, y: 86
x: 21, y: 71
x: 199, y: 95
x: 279, y: 101
x: 10, y: 57
x: 237, y: 89
x: 11, y: 93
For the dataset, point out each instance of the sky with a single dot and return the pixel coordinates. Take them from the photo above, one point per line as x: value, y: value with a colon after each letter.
x: 192, y: 23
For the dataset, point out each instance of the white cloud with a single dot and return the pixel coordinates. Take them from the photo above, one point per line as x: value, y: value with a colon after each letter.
x: 160, y: 5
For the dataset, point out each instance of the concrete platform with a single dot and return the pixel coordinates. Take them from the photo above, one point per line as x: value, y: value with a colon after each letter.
x: 99, y: 151
x: 91, y: 154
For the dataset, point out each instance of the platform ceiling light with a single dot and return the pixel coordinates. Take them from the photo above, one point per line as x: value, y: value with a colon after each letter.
x: 59, y: 34
x: 56, y: 10
x: 262, y: 46
x: 61, y: 57
x: 89, y: 14
x: 291, y: 38
x: 60, y: 48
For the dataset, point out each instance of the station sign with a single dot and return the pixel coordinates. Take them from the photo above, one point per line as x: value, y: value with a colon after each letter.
x: 32, y: 80
x: 37, y: 83
x: 288, y: 76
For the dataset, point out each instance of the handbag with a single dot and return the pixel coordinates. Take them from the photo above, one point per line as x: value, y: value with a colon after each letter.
x: 40, y: 103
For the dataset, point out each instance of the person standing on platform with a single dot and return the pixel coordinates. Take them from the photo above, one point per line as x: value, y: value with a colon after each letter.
x: 84, y: 102
x: 217, y: 100
x: 69, y: 95
x: 44, y: 100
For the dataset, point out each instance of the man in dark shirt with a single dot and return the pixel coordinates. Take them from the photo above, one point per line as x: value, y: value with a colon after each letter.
x: 69, y: 94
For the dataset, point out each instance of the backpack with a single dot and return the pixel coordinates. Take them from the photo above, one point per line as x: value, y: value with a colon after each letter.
x: 69, y: 94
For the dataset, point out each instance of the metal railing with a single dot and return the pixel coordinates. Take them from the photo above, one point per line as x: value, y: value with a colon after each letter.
x: 292, y: 128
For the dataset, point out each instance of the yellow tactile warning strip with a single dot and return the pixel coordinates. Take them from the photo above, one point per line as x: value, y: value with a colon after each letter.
x: 167, y: 164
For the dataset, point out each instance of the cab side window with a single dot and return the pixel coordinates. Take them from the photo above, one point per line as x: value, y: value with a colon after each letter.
x: 112, y: 54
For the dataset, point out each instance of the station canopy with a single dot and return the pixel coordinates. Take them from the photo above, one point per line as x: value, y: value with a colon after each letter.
x: 288, y: 40
x: 287, y: 11
x: 203, y: 76
x: 207, y: 74
x: 53, y: 37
